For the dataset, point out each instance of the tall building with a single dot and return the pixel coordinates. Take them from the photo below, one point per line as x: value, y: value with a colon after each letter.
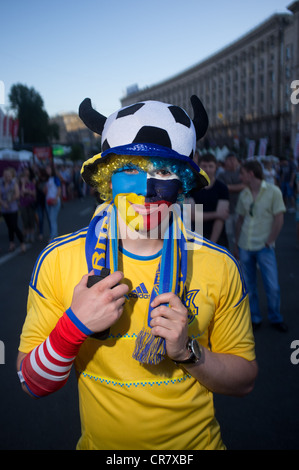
x: 72, y: 131
x: 246, y: 87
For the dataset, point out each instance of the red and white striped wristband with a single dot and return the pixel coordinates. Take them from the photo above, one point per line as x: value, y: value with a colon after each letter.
x: 47, y: 367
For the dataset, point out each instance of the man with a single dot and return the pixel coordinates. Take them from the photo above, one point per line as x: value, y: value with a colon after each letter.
x: 287, y: 177
x: 231, y: 177
x: 215, y: 201
x: 261, y: 214
x: 169, y: 325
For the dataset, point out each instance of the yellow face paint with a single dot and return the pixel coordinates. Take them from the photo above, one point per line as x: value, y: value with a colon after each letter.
x: 125, y: 206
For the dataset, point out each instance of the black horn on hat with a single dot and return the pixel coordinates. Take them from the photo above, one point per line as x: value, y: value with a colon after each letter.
x: 200, y: 120
x: 91, y: 118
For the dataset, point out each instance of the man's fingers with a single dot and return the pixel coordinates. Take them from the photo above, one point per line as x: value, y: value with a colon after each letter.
x: 119, y: 291
x: 167, y: 298
x: 109, y: 281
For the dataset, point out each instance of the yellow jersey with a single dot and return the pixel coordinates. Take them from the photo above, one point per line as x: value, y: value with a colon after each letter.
x: 125, y: 405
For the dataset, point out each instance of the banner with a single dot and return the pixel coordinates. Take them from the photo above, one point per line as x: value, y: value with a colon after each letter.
x: 43, y: 153
x: 251, y: 149
x: 263, y: 147
x: 5, y: 125
x: 15, y: 129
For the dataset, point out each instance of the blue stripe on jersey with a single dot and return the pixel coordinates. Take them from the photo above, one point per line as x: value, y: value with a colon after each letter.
x: 55, y: 244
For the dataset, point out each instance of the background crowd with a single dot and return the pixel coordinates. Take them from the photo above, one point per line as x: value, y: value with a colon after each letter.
x: 32, y: 196
x: 243, y: 210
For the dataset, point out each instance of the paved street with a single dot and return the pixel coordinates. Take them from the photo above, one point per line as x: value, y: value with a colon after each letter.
x: 267, y: 419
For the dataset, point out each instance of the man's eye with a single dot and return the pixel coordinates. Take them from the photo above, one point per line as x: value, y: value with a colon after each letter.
x: 131, y: 171
x: 163, y: 172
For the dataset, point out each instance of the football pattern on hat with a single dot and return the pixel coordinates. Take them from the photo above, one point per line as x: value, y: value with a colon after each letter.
x: 147, y: 129
x: 151, y: 122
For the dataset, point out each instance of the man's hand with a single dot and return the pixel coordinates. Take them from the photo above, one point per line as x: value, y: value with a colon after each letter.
x: 171, y: 323
x: 100, y: 306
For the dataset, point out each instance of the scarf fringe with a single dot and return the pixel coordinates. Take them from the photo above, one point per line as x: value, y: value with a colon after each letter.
x: 149, y: 349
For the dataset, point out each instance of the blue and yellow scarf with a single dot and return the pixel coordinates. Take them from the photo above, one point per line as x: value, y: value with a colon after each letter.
x: 102, y: 251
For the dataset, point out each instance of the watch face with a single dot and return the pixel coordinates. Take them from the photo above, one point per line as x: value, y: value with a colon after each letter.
x: 195, y: 348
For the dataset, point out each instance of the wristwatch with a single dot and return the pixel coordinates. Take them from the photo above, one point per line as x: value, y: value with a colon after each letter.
x: 195, y: 352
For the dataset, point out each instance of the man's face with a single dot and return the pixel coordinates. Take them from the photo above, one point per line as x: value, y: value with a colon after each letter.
x: 143, y: 198
x: 210, y: 168
x: 231, y: 163
x: 245, y: 176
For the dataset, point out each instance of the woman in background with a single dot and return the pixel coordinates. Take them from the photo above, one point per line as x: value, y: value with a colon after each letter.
x: 53, y: 202
x: 9, y: 203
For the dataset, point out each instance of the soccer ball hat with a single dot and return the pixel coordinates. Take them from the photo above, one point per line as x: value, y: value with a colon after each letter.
x: 147, y: 129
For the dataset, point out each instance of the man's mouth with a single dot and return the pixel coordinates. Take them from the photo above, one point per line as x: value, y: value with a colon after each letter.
x: 149, y: 208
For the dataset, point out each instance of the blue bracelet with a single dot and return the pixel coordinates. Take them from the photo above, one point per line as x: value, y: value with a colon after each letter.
x: 78, y: 322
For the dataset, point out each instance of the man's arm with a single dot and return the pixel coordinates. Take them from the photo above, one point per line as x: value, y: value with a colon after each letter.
x: 46, y: 368
x: 239, y: 224
x: 223, y: 210
x: 225, y: 374
x: 236, y: 188
x: 221, y: 373
x: 276, y: 228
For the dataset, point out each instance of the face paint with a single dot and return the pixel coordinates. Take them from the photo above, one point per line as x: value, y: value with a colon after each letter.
x: 129, y: 180
x: 143, y: 199
x: 162, y: 185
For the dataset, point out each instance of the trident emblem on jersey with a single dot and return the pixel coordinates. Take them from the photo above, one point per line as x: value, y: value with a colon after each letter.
x: 189, y: 301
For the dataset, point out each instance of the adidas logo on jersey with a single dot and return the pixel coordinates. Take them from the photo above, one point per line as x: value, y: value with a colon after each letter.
x: 140, y: 291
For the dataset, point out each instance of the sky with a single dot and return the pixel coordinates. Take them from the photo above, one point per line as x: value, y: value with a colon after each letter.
x: 68, y: 50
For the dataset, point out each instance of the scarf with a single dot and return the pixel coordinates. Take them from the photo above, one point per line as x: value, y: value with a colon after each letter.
x: 101, y: 251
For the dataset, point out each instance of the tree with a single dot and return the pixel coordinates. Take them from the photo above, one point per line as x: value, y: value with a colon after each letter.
x: 34, y: 125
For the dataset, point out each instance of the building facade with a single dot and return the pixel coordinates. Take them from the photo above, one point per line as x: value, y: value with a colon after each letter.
x: 246, y: 88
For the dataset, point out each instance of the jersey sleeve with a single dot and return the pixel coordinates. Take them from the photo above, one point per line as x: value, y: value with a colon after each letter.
x: 231, y: 328
x: 43, y: 305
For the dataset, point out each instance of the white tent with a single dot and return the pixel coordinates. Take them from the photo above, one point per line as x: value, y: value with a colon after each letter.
x: 25, y: 155
x: 9, y: 154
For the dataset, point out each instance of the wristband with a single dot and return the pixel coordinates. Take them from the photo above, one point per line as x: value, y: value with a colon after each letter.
x: 47, y: 368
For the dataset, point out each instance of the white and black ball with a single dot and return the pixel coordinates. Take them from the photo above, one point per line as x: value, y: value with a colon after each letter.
x: 150, y: 122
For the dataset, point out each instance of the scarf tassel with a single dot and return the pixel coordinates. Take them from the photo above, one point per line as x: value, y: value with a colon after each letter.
x: 149, y: 349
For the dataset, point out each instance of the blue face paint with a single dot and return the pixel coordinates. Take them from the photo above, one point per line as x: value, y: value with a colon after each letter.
x: 123, y: 182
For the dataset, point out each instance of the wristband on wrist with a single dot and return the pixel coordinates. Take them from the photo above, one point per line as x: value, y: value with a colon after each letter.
x: 47, y: 367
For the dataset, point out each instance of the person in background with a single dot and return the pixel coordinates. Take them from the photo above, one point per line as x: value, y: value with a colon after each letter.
x: 27, y: 204
x: 9, y: 205
x: 231, y: 177
x: 53, y: 201
x: 269, y: 171
x: 260, y: 210
x: 41, y: 211
x: 287, y: 176
x: 215, y: 201
x: 297, y: 208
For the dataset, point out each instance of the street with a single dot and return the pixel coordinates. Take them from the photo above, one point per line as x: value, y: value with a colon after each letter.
x: 266, y: 419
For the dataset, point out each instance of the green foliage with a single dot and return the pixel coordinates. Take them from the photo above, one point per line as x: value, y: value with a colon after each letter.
x: 34, y: 125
